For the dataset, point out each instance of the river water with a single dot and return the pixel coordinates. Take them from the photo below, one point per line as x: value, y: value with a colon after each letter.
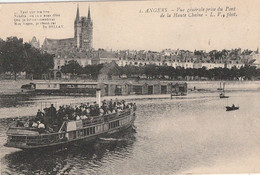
x: 192, y: 134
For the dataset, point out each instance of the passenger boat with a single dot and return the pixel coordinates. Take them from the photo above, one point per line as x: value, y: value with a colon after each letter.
x: 232, y: 108
x: 62, y: 88
x: 71, y: 131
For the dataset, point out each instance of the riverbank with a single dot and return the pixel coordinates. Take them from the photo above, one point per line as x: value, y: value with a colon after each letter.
x: 12, y: 87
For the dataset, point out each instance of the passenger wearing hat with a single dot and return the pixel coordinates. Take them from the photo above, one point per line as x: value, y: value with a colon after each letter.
x: 39, y: 115
x: 19, y: 123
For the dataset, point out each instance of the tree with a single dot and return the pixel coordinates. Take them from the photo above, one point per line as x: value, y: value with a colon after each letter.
x: 12, y: 57
x: 234, y: 73
x: 72, y: 67
x: 1, y: 58
x: 17, y: 56
x: 37, y: 63
x: 149, y: 70
x: 249, y: 72
x: 163, y: 71
x: 92, y: 70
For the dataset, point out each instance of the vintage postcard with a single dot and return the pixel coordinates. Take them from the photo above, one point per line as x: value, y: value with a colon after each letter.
x: 130, y: 87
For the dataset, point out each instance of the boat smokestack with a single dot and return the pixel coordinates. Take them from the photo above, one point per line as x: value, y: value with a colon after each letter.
x: 98, y: 96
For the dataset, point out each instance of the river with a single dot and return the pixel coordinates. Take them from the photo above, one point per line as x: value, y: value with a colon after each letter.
x: 192, y: 134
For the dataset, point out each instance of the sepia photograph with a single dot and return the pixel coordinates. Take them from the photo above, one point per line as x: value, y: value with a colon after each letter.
x: 130, y: 87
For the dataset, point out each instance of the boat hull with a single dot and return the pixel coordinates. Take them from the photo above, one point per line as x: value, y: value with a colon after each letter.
x: 228, y: 108
x: 224, y: 97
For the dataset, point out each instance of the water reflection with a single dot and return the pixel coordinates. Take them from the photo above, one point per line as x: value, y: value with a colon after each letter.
x: 14, y: 100
x: 79, y: 158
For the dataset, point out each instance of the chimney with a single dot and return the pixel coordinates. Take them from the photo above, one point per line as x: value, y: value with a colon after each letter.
x: 98, y: 96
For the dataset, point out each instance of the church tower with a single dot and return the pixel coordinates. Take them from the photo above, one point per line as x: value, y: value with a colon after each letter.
x: 83, y: 31
x: 87, y: 32
x: 77, y: 29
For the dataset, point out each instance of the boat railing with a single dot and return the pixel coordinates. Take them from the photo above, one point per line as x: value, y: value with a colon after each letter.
x: 106, y: 118
x: 93, y: 121
x: 23, y: 128
x: 117, y: 115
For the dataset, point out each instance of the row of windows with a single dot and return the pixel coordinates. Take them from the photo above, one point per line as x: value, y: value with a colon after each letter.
x: 52, y: 85
x: 89, y: 131
x: 73, y: 86
x: 114, y: 124
x: 136, y: 63
x: 81, y: 133
x: 79, y: 86
x: 183, y: 65
x: 99, y: 128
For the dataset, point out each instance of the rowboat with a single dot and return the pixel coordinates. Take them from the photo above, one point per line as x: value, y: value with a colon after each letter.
x: 222, y: 95
x: 231, y: 108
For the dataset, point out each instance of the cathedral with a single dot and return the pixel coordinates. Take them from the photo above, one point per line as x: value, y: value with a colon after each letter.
x: 82, y: 40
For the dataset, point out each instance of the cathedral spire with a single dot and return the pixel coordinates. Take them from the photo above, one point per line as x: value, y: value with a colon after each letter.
x: 89, y: 17
x: 77, y: 16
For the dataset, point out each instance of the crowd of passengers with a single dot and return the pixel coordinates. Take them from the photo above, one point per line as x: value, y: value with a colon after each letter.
x: 51, y: 119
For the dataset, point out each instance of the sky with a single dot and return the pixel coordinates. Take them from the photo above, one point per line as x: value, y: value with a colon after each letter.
x: 120, y: 25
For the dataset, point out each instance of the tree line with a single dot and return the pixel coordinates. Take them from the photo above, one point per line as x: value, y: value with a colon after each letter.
x: 153, y: 71
x: 17, y: 56
x: 74, y: 68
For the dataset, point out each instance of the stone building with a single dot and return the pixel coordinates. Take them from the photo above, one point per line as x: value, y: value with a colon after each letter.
x: 255, y: 57
x: 35, y: 43
x: 82, y: 40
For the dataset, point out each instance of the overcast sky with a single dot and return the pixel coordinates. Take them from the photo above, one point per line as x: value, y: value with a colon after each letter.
x: 119, y: 25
